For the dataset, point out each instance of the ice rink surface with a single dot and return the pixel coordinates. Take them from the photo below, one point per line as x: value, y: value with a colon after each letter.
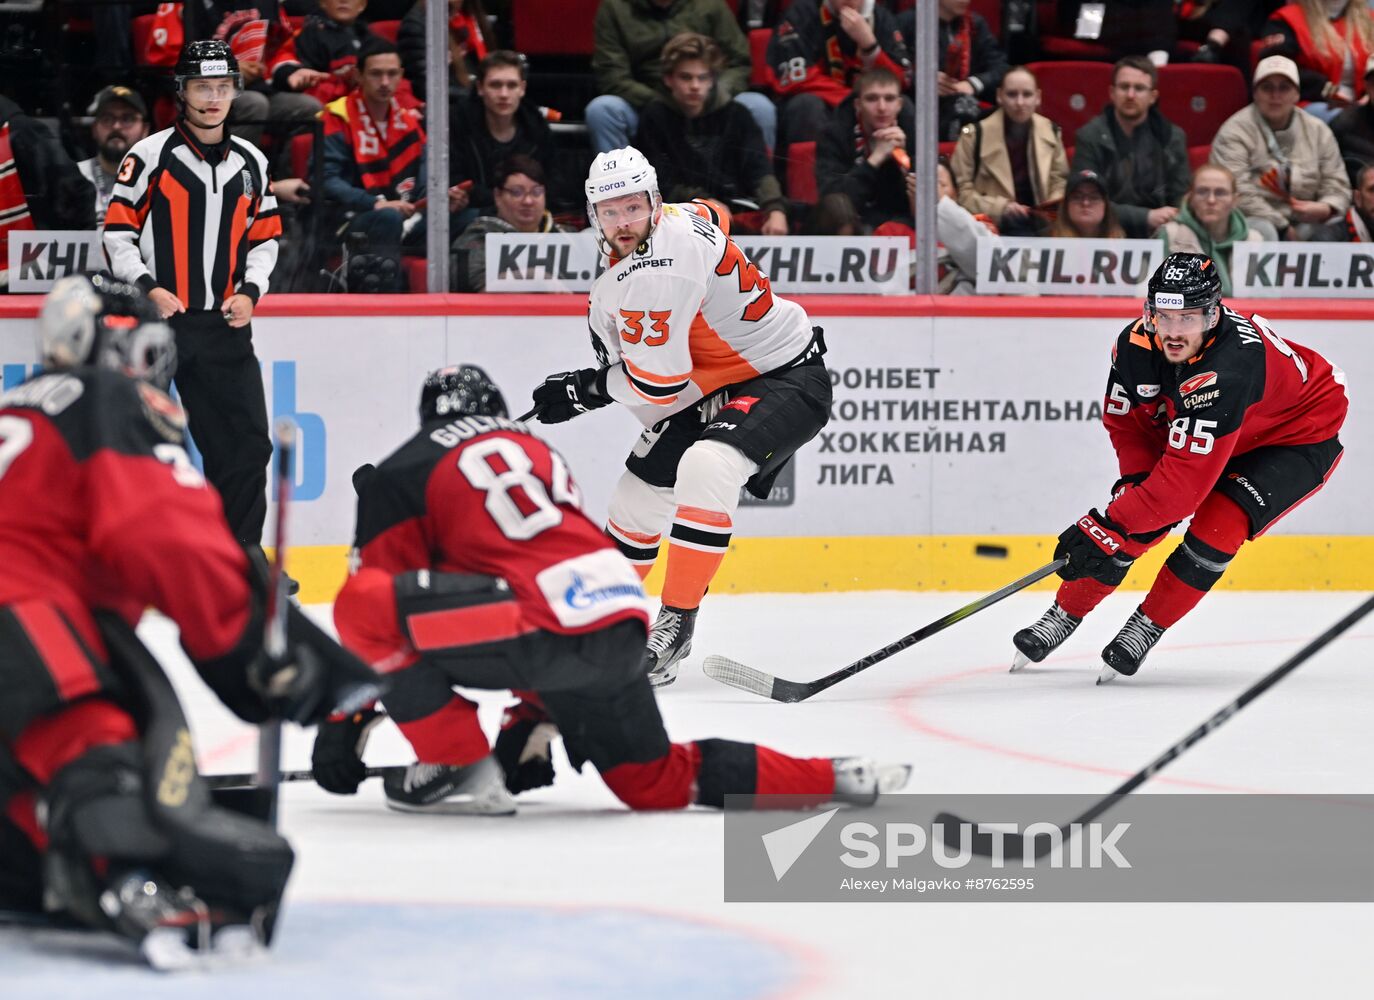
x: 577, y: 897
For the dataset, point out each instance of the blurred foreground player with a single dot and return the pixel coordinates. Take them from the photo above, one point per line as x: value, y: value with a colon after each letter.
x: 103, y: 817
x: 726, y: 377
x: 1212, y: 416
x: 476, y: 567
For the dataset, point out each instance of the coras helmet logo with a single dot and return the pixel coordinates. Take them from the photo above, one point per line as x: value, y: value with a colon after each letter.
x: 1197, y: 382
x: 1168, y: 300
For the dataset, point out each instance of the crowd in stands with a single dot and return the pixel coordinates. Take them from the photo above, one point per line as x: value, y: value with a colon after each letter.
x: 1202, y: 123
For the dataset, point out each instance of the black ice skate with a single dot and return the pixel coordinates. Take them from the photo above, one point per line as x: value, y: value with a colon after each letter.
x: 1038, y: 641
x: 475, y: 789
x: 1125, y: 653
x: 175, y: 930
x: 670, y: 640
x: 859, y: 780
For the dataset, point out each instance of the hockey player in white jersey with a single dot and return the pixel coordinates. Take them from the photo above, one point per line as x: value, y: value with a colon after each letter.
x: 726, y: 377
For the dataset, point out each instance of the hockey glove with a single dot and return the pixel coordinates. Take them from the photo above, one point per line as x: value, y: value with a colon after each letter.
x: 568, y: 394
x: 1090, y: 545
x: 522, y: 747
x: 338, y: 755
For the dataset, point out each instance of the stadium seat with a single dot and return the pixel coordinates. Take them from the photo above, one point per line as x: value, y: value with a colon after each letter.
x: 1198, y: 155
x: 554, y: 27
x: 761, y: 75
x: 801, y: 172
x: 416, y: 272
x: 1198, y: 98
x: 385, y: 29
x: 1072, y: 93
x: 1056, y: 46
x: 992, y: 13
x: 302, y: 146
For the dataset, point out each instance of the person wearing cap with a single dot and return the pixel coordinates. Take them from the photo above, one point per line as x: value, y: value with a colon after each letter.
x: 1087, y: 212
x: 1329, y: 41
x: 1287, y: 165
x: 1210, y: 223
x: 1140, y: 155
x: 121, y: 119
x: 1354, y: 128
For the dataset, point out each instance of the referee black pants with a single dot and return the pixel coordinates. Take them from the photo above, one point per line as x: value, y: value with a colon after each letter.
x: 219, y: 381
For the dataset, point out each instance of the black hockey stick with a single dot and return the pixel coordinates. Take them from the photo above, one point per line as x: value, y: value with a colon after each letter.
x: 745, y: 678
x: 535, y: 410
x: 956, y: 831
x: 274, y: 641
x: 222, y: 781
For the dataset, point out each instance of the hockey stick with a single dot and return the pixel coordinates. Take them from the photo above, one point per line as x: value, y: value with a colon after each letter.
x: 955, y: 829
x: 274, y: 640
x: 222, y: 781
x: 535, y: 410
x: 728, y: 671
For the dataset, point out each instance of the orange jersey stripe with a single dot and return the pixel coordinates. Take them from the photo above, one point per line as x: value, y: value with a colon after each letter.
x: 699, y: 515
x: 123, y: 214
x: 235, y: 238
x: 178, y: 201
x: 634, y: 536
x: 717, y: 363
x: 265, y: 229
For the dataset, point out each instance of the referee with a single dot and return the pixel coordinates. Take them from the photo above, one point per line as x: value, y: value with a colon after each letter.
x: 193, y: 222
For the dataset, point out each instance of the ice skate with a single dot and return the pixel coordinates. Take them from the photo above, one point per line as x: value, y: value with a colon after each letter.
x: 1038, y: 641
x: 1125, y: 653
x: 670, y: 640
x: 860, y: 780
x: 173, y: 929
x: 475, y: 789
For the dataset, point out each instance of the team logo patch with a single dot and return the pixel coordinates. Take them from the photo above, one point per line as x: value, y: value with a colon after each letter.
x: 247, y: 183
x: 1147, y: 391
x: 1197, y: 382
x: 742, y: 403
x: 163, y: 412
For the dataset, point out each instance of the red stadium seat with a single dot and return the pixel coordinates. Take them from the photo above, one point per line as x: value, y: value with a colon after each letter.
x: 385, y: 29
x: 761, y: 75
x: 1198, y: 155
x: 1072, y: 93
x: 1056, y: 46
x: 801, y: 172
x: 141, y: 27
x: 1198, y: 98
x: 992, y: 13
x: 416, y: 272
x: 554, y: 27
x: 301, y: 147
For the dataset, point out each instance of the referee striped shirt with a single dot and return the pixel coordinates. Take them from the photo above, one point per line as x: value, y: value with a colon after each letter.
x: 200, y: 221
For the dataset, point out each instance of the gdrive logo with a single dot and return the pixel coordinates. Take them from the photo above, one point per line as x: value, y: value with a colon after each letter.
x: 786, y: 845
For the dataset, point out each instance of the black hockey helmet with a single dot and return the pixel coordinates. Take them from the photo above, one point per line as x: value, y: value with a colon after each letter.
x: 460, y: 391
x: 1185, y: 281
x: 107, y: 324
x: 206, y: 59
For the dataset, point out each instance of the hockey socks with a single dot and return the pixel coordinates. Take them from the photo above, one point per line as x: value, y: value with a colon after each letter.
x: 451, y: 735
x: 1218, y: 530
x: 639, y: 548
x: 696, y: 545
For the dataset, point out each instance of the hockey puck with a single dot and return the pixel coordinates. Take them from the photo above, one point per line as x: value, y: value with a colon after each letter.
x: 990, y: 551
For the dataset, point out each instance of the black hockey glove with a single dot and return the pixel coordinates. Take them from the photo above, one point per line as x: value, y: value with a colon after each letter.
x: 522, y: 747
x: 338, y: 755
x: 1094, y: 547
x: 568, y: 394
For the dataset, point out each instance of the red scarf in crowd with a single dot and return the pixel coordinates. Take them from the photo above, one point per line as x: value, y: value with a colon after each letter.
x: 959, y: 52
x: 387, y: 164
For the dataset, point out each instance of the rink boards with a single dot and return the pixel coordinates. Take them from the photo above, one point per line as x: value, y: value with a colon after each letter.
x: 949, y: 429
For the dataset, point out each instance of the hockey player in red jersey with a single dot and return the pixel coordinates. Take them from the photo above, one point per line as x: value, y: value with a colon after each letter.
x: 726, y: 377
x: 475, y: 566
x: 105, y: 819
x: 1212, y: 416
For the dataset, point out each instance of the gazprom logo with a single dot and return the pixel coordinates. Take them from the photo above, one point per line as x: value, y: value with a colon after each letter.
x: 579, y: 595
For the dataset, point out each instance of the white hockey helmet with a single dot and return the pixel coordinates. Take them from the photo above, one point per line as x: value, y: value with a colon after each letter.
x: 615, y: 174
x: 104, y: 323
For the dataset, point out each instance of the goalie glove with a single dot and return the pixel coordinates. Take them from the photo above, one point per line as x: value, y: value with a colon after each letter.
x: 523, y: 747
x: 338, y: 755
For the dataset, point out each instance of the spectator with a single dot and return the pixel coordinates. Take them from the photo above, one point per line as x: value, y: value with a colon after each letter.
x: 1357, y: 225
x: 1354, y: 128
x: 1210, y: 223
x: 1226, y: 28
x: 972, y: 63
x: 497, y: 123
x: 819, y: 48
x: 521, y: 207
x: 1330, y: 41
x: 261, y: 38
x: 1087, y: 211
x: 57, y: 196
x: 1011, y: 166
x: 858, y: 154
x: 1141, y: 155
x: 374, y: 172
x: 707, y: 146
x: 1288, y: 169
x: 630, y: 35
x: 467, y: 44
x: 121, y: 119
x: 327, y: 47
x: 958, y: 233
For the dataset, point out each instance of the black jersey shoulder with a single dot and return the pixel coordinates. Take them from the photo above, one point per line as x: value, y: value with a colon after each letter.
x: 95, y: 409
